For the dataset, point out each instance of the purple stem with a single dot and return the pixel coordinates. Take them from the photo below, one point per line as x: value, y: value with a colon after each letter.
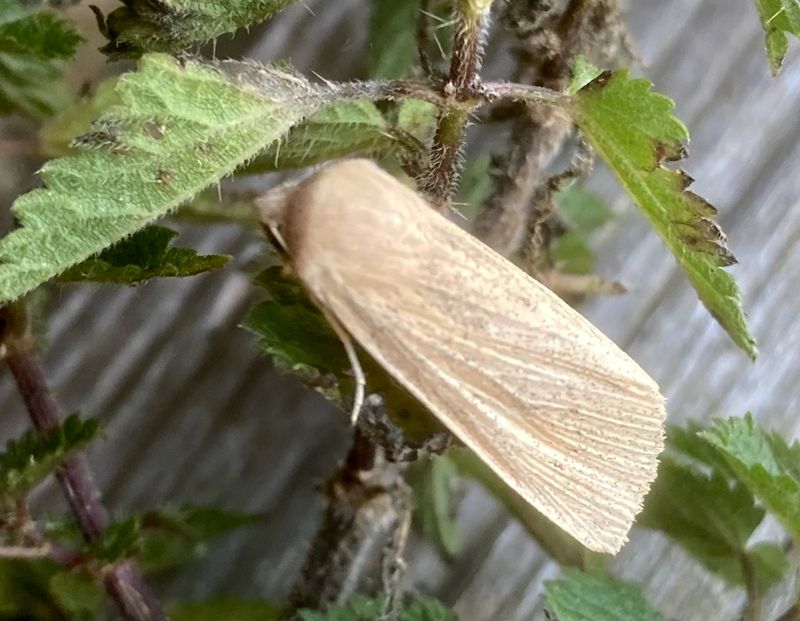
x: 123, y: 583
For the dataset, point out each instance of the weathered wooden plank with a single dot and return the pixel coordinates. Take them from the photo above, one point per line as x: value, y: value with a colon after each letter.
x: 194, y: 414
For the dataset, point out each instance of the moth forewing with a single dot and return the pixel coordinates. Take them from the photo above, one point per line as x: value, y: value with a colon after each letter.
x: 555, y: 408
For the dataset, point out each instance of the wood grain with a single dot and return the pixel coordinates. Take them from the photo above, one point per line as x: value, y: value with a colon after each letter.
x: 193, y: 414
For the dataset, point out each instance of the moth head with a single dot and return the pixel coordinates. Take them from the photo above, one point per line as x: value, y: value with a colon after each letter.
x: 273, y: 207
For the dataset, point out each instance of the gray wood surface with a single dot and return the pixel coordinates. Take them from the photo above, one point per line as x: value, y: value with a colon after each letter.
x: 193, y: 414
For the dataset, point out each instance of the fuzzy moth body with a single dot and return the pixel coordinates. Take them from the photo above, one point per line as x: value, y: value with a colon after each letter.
x: 553, y: 406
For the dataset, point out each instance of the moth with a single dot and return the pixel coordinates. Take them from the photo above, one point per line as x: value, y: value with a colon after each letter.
x: 554, y: 407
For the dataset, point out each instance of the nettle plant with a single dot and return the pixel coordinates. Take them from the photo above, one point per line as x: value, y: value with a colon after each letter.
x: 152, y: 141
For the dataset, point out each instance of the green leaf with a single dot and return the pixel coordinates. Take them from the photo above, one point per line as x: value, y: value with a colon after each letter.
x: 292, y: 330
x: 78, y: 595
x: 709, y: 516
x: 689, y: 442
x: 558, y: 544
x: 121, y: 540
x: 475, y: 186
x: 392, y: 38
x: 358, y: 609
x: 431, y: 480
x: 770, y: 564
x: 57, y: 134
x: 173, y: 537
x: 182, y: 126
x: 34, y: 47
x: 582, y: 74
x: 337, y: 130
x: 225, y: 609
x: 426, y: 609
x: 581, y: 210
x: 177, y: 25
x: 572, y: 255
x: 582, y: 213
x: 765, y: 463
x: 584, y: 597
x: 144, y: 255
x: 29, y: 459
x: 25, y: 590
x: 418, y: 118
x: 780, y: 20
x: 634, y: 131
x: 364, y: 609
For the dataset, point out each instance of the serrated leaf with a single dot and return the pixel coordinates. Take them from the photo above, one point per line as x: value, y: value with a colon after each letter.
x: 57, y: 134
x: 365, y: 609
x: 121, y: 540
x: 293, y: 331
x: 33, y: 47
x: 765, y: 463
x: 584, y: 597
x: 225, y: 609
x: 144, y: 255
x: 689, y: 442
x: 337, y: 130
x: 177, y: 25
x: 392, y: 43
x: 78, y: 595
x: 583, y: 72
x: 780, y: 20
x: 43, y: 34
x: 26, y: 461
x: 431, y: 480
x: 173, y: 537
x: 558, y: 544
x: 181, y: 127
x: 633, y: 130
x: 711, y: 517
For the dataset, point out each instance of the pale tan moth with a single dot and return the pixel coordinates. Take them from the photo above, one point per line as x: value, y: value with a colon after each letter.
x: 554, y: 407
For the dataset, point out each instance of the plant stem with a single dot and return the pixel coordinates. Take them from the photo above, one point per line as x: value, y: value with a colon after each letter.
x: 522, y: 93
x: 122, y: 581
x: 24, y: 552
x: 462, y: 94
x: 752, y: 611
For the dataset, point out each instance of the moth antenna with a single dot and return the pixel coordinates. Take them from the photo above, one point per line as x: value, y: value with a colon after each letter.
x: 358, y: 372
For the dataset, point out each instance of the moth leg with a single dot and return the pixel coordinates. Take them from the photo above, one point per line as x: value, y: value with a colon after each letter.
x: 352, y: 356
x: 358, y: 373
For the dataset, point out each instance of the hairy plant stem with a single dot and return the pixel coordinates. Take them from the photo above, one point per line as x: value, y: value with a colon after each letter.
x: 122, y: 581
x: 547, y: 42
x: 461, y: 91
x: 752, y: 611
